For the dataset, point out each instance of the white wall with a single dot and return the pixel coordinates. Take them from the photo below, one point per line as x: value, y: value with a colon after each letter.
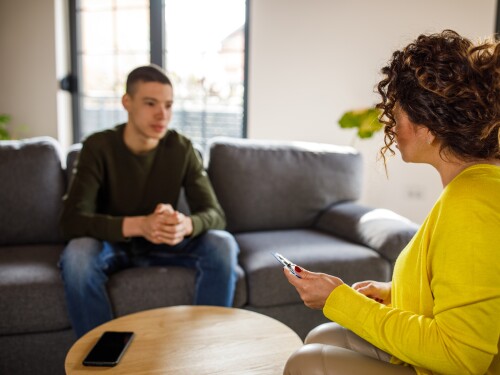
x: 27, y: 65
x: 34, y: 56
x: 311, y: 60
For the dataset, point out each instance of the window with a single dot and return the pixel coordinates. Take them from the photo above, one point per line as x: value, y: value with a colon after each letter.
x: 205, y: 43
x: 200, y: 43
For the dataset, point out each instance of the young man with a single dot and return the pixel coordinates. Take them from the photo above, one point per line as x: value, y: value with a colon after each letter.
x: 120, y: 212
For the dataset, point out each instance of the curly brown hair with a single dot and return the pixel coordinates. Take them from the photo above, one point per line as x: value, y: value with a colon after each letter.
x: 446, y: 83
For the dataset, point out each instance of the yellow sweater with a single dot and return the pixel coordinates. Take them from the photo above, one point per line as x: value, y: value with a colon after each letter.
x: 445, y: 313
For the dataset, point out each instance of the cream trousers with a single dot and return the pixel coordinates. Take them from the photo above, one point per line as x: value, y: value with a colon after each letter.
x: 333, y: 350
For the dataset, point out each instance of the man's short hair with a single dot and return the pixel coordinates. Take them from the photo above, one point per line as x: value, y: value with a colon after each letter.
x: 147, y: 73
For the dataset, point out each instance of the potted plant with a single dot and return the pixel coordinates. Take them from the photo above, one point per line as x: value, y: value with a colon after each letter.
x: 4, y: 132
x: 365, y: 120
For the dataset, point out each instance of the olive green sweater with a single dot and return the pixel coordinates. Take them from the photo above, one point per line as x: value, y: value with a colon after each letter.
x: 110, y: 182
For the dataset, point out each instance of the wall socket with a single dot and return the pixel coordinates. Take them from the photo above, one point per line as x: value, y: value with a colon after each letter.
x: 415, y: 192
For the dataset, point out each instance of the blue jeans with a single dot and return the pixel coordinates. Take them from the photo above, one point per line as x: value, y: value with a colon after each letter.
x: 86, y: 264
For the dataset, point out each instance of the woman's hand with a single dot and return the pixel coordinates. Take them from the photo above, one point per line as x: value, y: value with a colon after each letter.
x: 313, y: 287
x: 377, y: 290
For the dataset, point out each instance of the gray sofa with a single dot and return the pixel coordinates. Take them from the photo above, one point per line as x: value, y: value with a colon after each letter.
x: 295, y: 198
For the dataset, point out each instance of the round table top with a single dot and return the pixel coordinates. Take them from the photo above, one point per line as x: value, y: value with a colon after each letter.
x: 194, y: 340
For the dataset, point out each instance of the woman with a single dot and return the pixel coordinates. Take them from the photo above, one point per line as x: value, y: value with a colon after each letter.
x: 441, y: 313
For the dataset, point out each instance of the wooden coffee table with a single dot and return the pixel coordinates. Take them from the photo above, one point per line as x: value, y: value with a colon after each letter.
x: 194, y: 340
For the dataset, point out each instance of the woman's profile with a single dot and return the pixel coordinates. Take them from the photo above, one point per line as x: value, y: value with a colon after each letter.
x: 440, y: 314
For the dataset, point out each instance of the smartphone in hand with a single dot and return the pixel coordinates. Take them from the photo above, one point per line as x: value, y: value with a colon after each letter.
x: 287, y: 264
x: 109, y: 349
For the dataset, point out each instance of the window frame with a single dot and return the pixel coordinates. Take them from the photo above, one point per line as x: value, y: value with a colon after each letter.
x: 157, y: 47
x: 497, y: 28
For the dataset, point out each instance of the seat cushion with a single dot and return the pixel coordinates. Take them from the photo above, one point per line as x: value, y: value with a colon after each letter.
x: 138, y: 289
x: 313, y: 250
x: 269, y: 185
x: 32, y: 294
x: 31, y: 290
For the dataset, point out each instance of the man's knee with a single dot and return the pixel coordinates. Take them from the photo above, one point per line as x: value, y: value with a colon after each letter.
x: 79, y: 254
x: 223, y: 242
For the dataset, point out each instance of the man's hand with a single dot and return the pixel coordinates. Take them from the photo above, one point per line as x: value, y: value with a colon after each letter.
x: 163, y: 226
x: 313, y: 288
x: 377, y: 290
x: 173, y: 226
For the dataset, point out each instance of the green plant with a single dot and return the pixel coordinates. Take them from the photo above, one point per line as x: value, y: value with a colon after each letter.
x: 365, y: 120
x: 4, y: 132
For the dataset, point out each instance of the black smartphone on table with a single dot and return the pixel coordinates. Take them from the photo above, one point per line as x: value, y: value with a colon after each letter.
x: 109, y: 349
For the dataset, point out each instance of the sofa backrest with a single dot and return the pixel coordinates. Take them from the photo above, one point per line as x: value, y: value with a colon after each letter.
x: 271, y: 185
x: 71, y: 161
x: 31, y: 190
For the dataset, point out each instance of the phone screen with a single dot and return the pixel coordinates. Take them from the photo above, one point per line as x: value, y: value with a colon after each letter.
x: 109, y: 349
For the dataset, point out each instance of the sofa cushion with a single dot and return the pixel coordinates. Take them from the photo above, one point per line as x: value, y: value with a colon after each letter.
x: 32, y: 295
x: 32, y: 187
x: 268, y: 185
x: 71, y: 160
x: 380, y: 229
x: 138, y: 289
x: 314, y: 250
x: 39, y: 353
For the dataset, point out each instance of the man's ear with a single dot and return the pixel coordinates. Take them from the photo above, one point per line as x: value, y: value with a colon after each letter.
x: 126, y: 101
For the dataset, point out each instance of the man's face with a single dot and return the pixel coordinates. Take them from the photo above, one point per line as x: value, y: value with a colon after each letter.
x: 149, y: 108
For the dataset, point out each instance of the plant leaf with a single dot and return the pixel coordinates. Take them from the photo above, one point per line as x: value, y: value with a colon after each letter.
x: 4, y: 133
x: 365, y: 120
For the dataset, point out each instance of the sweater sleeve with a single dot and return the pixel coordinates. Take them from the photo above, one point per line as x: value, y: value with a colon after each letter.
x: 206, y: 212
x: 421, y: 341
x: 79, y: 217
x: 461, y: 334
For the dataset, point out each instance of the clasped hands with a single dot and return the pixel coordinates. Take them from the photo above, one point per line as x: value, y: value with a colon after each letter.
x: 314, y: 288
x: 166, y: 226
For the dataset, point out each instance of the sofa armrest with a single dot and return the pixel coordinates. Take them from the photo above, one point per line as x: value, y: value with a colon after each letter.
x: 380, y: 229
